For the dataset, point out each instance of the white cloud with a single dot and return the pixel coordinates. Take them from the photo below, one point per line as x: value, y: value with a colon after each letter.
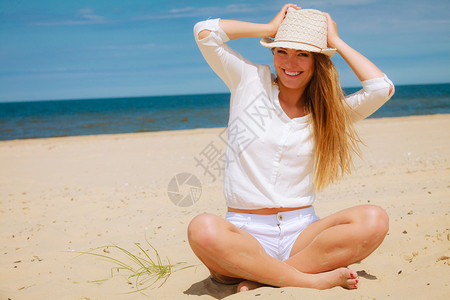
x: 68, y: 23
x: 88, y: 14
x: 335, y: 3
x: 206, y: 11
x: 273, y: 7
x: 181, y: 10
x: 84, y: 16
x: 126, y: 47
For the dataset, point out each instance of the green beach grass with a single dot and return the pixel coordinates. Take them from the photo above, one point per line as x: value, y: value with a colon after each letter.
x: 141, y: 270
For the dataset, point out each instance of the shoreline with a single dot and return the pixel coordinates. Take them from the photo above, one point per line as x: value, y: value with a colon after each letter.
x: 198, y: 129
x: 64, y: 194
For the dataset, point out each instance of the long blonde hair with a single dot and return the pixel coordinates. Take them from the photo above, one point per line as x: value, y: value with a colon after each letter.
x: 334, y: 135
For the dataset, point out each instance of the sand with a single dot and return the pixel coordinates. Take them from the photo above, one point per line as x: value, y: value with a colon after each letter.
x: 63, y: 195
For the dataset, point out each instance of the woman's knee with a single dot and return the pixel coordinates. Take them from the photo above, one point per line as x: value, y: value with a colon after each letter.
x: 376, y: 221
x: 203, y: 231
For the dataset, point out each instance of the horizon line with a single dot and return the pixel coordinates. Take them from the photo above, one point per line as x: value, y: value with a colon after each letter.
x: 175, y: 95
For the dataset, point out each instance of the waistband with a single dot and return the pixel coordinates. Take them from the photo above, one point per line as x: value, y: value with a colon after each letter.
x: 275, y: 218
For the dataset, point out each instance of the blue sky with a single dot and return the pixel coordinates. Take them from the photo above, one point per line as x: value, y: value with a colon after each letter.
x: 56, y: 49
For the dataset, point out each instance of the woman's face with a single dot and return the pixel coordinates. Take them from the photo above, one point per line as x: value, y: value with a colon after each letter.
x: 294, y: 67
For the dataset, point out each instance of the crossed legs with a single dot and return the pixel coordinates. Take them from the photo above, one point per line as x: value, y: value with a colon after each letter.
x: 318, y: 258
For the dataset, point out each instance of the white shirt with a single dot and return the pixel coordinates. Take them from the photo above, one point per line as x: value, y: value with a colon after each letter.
x: 269, y: 156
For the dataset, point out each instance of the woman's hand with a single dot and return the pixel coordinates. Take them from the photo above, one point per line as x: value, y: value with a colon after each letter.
x: 363, y: 68
x: 238, y: 29
x: 275, y: 23
x: 332, y: 33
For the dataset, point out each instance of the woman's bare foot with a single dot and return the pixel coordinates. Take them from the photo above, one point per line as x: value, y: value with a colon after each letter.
x: 248, y: 285
x: 343, y: 277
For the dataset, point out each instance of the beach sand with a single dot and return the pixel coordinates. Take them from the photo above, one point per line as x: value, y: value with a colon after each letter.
x: 63, y: 195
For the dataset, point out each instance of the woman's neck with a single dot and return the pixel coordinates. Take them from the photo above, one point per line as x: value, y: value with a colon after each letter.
x: 291, y: 97
x: 292, y: 101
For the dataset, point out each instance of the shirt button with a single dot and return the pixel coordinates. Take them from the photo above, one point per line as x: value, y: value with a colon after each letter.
x: 280, y: 217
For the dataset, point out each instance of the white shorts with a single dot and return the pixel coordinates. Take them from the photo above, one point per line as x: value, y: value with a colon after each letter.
x: 276, y: 233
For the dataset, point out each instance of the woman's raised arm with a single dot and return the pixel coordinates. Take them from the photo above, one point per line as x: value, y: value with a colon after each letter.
x: 361, y: 66
x: 239, y: 29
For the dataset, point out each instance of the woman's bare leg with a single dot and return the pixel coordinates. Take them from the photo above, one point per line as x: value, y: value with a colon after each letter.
x: 231, y: 253
x: 338, y: 240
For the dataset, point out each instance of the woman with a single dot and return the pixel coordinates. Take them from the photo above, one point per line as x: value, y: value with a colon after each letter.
x: 288, y: 137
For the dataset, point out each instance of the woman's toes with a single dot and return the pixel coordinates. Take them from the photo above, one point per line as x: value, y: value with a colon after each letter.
x: 248, y: 285
x: 243, y: 289
x: 352, y: 284
x: 352, y: 273
x: 351, y: 279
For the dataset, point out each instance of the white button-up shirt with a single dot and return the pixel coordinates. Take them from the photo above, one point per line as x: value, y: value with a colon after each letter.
x: 269, y: 157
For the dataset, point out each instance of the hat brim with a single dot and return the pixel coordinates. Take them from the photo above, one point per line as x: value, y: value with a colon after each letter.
x: 270, y: 43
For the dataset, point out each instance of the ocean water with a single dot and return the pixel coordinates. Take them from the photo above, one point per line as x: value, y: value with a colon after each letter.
x: 39, y: 119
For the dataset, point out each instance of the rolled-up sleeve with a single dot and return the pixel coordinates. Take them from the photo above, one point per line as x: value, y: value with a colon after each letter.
x: 225, y: 62
x: 370, y: 98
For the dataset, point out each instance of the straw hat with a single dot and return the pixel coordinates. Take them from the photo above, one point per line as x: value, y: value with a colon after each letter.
x: 304, y: 29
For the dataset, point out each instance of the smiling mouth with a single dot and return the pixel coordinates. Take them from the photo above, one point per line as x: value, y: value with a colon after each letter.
x: 291, y: 74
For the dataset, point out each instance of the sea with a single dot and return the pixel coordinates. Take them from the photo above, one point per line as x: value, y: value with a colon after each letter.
x: 42, y: 119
